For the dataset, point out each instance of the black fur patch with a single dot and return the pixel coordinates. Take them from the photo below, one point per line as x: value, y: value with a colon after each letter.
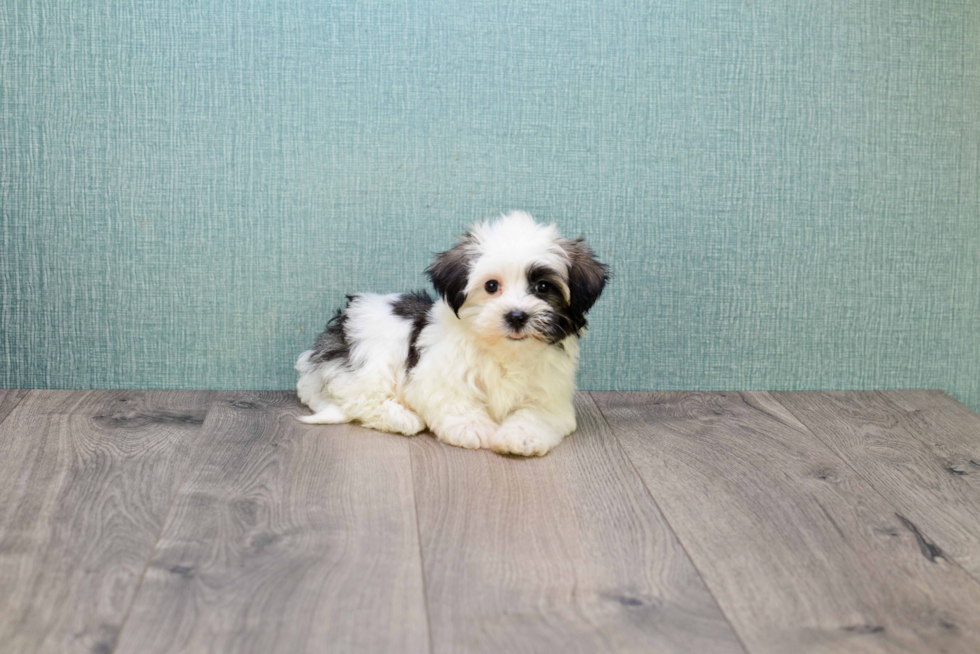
x: 586, y: 279
x: 414, y: 307
x: 556, y: 324
x: 332, y: 344
x: 450, y: 271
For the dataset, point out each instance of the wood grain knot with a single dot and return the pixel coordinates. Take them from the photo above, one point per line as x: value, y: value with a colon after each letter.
x: 955, y: 468
x: 826, y: 474
x: 263, y: 541
x: 633, y: 600
x: 105, y: 643
x: 948, y: 626
x: 863, y: 629
x: 929, y: 549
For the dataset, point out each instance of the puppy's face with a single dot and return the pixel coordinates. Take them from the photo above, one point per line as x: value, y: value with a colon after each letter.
x: 516, y: 281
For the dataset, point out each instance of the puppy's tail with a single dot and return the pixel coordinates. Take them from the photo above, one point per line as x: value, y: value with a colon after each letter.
x: 310, y: 390
x: 330, y: 414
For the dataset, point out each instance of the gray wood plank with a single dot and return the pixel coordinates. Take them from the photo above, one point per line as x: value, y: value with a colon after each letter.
x: 919, y: 399
x: 925, y: 460
x: 285, y: 537
x: 937, y: 403
x: 565, y: 553
x: 86, y: 479
x: 801, y: 552
x: 10, y: 398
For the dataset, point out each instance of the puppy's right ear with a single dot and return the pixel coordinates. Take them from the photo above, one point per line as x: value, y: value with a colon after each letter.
x: 450, y: 271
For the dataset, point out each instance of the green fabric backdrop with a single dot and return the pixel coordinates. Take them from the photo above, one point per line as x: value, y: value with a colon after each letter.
x: 787, y: 192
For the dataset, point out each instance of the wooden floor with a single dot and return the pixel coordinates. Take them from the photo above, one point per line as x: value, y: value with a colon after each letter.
x: 197, y: 521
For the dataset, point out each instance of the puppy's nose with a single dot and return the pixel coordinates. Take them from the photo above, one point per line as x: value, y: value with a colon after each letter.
x: 516, y: 319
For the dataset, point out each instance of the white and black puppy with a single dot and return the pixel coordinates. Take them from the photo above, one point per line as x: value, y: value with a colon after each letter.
x: 491, y: 364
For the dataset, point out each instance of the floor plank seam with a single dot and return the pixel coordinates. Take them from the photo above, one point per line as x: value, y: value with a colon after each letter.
x: 163, y: 525
x: 741, y: 641
x: 418, y: 536
x: 916, y: 531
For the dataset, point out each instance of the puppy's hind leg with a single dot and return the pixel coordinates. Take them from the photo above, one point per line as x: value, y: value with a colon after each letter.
x: 393, y: 416
x: 329, y: 414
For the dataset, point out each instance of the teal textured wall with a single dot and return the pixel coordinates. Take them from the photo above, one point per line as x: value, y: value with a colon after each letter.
x: 787, y: 192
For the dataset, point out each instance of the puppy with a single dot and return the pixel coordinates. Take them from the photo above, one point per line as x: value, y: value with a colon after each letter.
x: 490, y: 364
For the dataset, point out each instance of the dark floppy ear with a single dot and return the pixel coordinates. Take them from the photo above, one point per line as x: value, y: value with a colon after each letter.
x: 586, y: 279
x: 450, y: 271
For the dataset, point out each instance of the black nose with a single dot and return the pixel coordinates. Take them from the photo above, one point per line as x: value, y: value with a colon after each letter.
x: 516, y: 319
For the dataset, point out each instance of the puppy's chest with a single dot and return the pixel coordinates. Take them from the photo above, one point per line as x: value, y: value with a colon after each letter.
x: 504, y: 390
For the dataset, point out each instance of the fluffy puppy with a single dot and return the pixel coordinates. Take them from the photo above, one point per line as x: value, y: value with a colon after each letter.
x: 490, y: 364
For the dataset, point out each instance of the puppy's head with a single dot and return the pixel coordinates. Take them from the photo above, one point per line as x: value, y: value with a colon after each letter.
x: 516, y: 280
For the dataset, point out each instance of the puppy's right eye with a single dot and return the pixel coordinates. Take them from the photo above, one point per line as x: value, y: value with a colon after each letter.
x: 491, y: 286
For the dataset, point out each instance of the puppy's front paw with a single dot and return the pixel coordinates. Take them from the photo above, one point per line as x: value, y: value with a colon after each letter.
x: 471, y: 433
x: 524, y: 438
x: 401, y: 420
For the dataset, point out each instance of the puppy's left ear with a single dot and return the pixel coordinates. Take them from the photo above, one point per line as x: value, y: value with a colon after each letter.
x: 450, y: 271
x: 586, y: 279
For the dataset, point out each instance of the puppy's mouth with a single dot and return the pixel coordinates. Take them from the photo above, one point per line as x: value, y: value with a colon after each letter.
x: 516, y: 337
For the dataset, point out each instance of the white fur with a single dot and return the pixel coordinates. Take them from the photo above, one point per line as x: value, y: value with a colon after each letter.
x: 473, y: 385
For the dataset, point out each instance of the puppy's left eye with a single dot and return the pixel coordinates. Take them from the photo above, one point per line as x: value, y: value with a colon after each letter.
x: 491, y: 286
x: 542, y: 287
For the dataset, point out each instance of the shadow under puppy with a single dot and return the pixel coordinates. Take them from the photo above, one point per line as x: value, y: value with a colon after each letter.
x: 491, y: 364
